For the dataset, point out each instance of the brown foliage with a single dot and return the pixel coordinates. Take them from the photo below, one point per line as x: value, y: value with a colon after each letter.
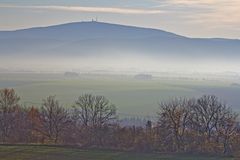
x: 203, y: 125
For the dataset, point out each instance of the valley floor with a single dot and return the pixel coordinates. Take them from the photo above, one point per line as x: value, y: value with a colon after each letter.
x: 131, y: 96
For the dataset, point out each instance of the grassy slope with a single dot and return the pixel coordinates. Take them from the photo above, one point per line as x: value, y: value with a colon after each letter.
x: 22, y: 152
x: 130, y: 96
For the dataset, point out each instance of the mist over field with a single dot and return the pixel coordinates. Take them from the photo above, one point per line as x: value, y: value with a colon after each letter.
x: 118, y: 64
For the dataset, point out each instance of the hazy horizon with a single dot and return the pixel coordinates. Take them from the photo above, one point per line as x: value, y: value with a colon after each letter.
x: 95, y: 45
x: 200, y: 18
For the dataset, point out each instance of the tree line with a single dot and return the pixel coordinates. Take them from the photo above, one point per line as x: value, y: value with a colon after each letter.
x: 184, y: 125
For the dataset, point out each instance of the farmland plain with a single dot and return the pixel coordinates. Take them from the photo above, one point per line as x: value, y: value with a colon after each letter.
x: 131, y: 96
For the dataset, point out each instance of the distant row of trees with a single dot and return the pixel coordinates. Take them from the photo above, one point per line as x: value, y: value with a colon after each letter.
x: 203, y: 125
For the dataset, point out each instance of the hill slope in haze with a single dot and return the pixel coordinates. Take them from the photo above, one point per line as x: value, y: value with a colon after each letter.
x: 101, y: 44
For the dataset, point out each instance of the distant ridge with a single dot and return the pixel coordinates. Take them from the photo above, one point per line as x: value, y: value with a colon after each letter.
x: 88, y: 29
x: 99, y: 39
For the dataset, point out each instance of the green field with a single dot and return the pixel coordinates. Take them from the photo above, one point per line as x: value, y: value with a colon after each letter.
x: 34, y: 152
x: 131, y: 96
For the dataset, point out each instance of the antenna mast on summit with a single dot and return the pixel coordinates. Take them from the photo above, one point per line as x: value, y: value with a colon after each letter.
x: 95, y: 20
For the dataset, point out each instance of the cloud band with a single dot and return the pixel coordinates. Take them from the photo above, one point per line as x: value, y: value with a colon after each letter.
x: 89, y: 9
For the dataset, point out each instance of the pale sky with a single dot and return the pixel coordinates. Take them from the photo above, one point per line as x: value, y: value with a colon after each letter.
x: 192, y: 18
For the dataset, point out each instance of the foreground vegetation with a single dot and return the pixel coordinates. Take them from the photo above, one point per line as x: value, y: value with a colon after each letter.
x: 33, y: 152
x: 202, y: 125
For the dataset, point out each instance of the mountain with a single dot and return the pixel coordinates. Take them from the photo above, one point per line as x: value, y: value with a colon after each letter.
x: 96, y: 39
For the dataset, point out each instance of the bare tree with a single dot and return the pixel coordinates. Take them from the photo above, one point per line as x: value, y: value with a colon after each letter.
x: 206, y: 115
x: 94, y: 110
x: 226, y: 128
x: 174, y: 118
x: 94, y: 113
x: 8, y: 103
x: 214, y: 122
x: 54, y: 119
